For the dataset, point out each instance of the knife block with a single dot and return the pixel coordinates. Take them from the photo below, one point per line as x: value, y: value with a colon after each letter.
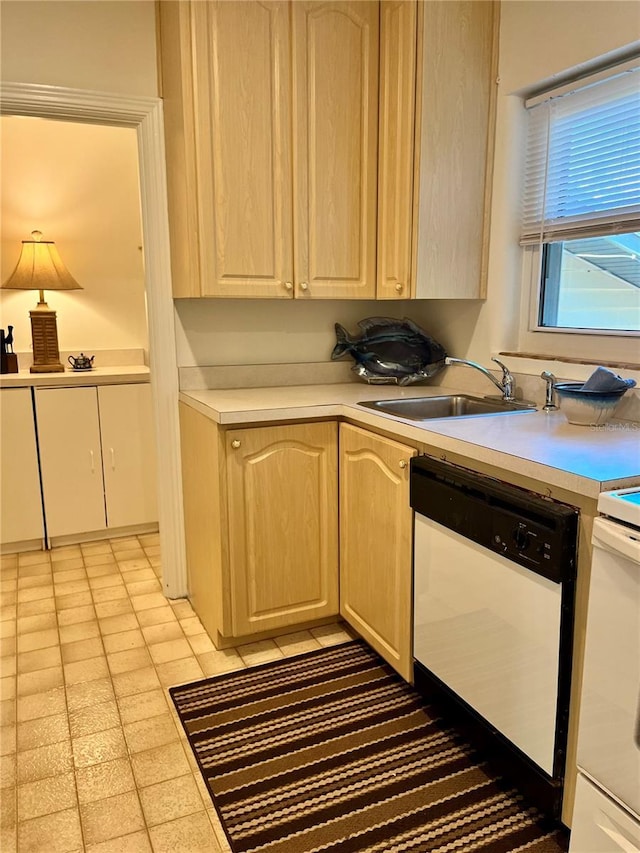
x: 8, y: 362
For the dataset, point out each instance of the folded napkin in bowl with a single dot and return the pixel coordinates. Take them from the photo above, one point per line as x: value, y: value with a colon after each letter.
x: 603, y: 380
x: 594, y: 401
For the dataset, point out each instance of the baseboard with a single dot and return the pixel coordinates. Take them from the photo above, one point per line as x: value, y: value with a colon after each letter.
x: 107, y: 533
x: 19, y: 547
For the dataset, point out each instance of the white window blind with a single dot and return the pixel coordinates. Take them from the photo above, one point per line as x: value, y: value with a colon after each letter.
x: 583, y: 161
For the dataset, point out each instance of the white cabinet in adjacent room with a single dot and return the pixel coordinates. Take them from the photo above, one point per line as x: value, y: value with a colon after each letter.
x: 70, y: 460
x: 21, y: 501
x: 97, y: 458
x: 128, y: 454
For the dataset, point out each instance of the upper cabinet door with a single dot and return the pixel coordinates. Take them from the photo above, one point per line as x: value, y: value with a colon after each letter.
x: 335, y: 79
x: 457, y: 87
x: 242, y: 98
x: 395, y: 170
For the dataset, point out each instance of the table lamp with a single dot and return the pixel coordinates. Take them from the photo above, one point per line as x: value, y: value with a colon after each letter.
x: 40, y: 268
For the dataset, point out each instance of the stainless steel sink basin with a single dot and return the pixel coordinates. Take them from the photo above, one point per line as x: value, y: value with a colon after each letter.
x: 446, y: 406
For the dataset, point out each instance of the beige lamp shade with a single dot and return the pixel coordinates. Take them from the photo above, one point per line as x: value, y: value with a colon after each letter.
x: 40, y: 267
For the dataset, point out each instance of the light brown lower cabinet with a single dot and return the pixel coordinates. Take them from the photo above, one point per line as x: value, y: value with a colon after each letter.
x: 261, y: 523
x: 376, y: 543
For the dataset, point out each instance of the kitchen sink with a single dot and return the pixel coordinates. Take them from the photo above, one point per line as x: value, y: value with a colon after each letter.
x: 446, y: 406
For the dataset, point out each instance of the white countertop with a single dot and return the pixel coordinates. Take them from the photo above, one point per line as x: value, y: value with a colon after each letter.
x: 540, y: 445
x: 116, y: 375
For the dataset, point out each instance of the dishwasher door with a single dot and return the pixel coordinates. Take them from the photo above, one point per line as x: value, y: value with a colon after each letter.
x: 489, y: 629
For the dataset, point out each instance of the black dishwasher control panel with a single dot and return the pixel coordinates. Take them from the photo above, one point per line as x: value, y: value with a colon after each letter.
x: 535, y: 532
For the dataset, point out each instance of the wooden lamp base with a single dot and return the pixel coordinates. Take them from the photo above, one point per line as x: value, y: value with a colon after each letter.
x: 44, y: 336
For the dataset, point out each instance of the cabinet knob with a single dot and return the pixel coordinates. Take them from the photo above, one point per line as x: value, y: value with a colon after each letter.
x: 304, y: 285
x: 399, y: 287
x: 235, y: 444
x: 288, y: 285
x: 403, y: 463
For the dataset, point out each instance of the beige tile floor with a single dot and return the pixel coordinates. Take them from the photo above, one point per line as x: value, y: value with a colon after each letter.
x: 93, y: 757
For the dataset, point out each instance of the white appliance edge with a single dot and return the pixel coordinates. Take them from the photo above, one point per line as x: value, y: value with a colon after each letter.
x: 607, y: 805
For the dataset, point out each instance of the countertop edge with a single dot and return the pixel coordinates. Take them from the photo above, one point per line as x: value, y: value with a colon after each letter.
x: 426, y: 435
x: 116, y: 375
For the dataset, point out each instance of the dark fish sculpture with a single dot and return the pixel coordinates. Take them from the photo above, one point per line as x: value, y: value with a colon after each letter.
x: 390, y: 351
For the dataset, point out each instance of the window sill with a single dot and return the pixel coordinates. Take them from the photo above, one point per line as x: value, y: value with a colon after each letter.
x: 564, y: 359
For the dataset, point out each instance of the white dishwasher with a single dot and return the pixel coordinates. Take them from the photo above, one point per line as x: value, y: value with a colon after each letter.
x: 494, y: 570
x: 606, y: 816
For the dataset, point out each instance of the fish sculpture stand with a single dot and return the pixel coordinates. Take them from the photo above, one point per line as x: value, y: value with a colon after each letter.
x: 390, y: 351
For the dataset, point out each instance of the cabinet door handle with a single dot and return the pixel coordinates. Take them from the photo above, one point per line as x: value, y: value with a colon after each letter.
x: 288, y: 285
x: 93, y: 466
x: 403, y: 463
x: 235, y: 444
x: 113, y: 458
x: 399, y: 287
x: 304, y: 285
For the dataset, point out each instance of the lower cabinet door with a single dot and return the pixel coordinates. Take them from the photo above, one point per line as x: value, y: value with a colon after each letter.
x: 375, y: 543
x: 70, y: 460
x: 129, y: 455
x: 283, y: 525
x: 19, y: 476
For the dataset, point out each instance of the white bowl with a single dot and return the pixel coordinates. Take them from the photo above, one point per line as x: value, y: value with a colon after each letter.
x: 586, y: 408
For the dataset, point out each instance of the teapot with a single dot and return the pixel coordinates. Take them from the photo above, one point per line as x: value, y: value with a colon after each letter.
x: 81, y: 362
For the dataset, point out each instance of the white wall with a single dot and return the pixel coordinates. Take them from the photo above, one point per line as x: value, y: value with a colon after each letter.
x: 539, y: 40
x: 110, y: 46
x: 241, y: 331
x: 105, y: 46
x: 78, y: 184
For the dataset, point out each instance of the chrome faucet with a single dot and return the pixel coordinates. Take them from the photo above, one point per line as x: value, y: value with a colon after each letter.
x: 507, y: 386
x: 549, y: 378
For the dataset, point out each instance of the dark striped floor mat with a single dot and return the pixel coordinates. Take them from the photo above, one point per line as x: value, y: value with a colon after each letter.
x: 332, y: 751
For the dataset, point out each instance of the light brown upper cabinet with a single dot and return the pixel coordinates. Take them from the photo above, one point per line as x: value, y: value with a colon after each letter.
x: 455, y: 122
x: 438, y: 81
x: 329, y: 149
x: 398, y: 44
x: 271, y: 127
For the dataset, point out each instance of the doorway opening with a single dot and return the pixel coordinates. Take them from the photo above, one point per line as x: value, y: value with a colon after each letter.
x: 144, y: 115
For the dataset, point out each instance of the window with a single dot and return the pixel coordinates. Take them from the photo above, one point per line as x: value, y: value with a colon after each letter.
x: 581, y: 211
